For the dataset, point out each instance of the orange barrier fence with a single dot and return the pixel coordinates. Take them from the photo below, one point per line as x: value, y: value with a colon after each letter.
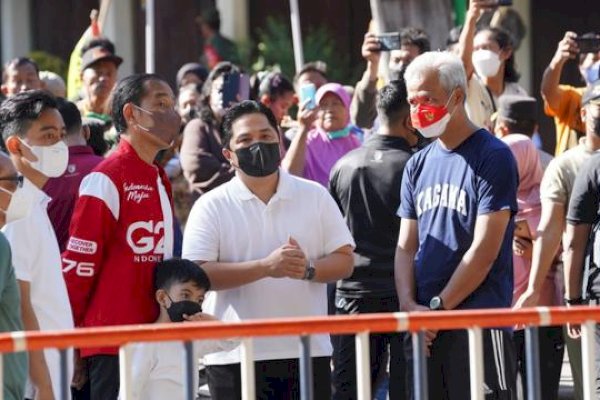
x: 413, y: 322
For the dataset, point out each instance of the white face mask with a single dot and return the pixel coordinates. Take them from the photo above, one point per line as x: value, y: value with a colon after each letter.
x: 486, y: 63
x: 52, y: 160
x: 436, y: 129
x: 19, y: 206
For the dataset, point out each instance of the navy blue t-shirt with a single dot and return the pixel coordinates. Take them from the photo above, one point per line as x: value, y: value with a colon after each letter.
x: 445, y: 191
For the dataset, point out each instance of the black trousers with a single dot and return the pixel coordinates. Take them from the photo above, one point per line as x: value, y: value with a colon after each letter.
x: 551, y: 351
x: 104, y: 377
x: 275, y: 379
x: 383, y: 347
x: 448, y: 366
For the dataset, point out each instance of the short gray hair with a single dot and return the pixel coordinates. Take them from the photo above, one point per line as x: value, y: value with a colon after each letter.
x: 449, y: 67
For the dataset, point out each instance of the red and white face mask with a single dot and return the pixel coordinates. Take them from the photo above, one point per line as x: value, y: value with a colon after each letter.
x: 430, y: 120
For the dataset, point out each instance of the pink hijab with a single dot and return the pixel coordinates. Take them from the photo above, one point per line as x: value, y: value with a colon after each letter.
x: 530, y: 208
x: 530, y: 175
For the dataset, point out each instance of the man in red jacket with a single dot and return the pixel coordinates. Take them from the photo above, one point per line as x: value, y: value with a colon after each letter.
x: 122, y: 224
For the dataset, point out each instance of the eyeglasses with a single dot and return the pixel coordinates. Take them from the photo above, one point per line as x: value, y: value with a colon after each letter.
x: 17, y: 179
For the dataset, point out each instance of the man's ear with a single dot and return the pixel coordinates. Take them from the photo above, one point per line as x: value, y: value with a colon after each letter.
x: 4, y: 90
x: 227, y: 154
x: 583, y: 114
x: 162, y: 298
x: 86, y: 132
x: 460, y: 95
x: 128, y: 113
x: 13, y: 145
x: 265, y: 99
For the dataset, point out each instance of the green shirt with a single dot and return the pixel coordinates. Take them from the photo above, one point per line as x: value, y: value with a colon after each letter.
x: 15, y: 364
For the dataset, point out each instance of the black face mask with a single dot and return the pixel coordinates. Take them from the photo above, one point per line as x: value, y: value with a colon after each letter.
x: 259, y: 159
x: 178, y: 308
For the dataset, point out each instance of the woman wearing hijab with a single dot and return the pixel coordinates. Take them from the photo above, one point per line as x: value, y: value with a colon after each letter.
x: 526, y: 222
x: 315, y: 149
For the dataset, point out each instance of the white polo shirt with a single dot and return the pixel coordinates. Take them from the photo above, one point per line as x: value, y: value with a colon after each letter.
x: 230, y: 224
x: 36, y: 259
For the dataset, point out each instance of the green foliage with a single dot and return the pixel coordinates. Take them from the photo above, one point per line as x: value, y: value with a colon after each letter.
x: 275, y: 49
x: 49, y: 62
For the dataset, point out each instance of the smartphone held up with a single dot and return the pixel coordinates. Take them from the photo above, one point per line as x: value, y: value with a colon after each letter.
x: 236, y: 88
x: 588, y: 44
x: 308, y: 93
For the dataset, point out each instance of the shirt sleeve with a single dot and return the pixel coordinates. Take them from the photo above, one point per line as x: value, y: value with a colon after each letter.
x: 143, y: 360
x: 94, y: 219
x: 497, y: 186
x: 201, y: 236
x: 23, y: 259
x: 362, y: 107
x: 335, y: 232
x: 569, y: 96
x: 553, y: 186
x: 583, y: 206
x: 407, y: 204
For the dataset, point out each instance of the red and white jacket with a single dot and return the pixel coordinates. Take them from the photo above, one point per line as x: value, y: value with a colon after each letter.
x: 122, y: 226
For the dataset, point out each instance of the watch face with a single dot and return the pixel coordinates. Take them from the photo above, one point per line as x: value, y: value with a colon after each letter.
x: 435, y: 303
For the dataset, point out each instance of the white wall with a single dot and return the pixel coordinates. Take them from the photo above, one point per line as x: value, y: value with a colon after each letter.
x: 16, y: 28
x: 234, y: 18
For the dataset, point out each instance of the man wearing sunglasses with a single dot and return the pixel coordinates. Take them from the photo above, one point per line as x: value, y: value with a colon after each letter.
x: 33, y: 131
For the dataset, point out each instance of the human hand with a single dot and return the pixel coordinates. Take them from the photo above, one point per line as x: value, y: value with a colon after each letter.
x: 307, y: 117
x: 478, y: 7
x: 567, y: 48
x: 370, y: 49
x: 199, y: 317
x: 23, y: 158
x: 529, y: 298
x: 574, y: 331
x: 522, y: 247
x: 430, y: 334
x: 287, y: 261
x: 80, y: 374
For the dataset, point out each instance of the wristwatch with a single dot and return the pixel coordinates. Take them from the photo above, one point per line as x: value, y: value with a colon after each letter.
x: 309, y: 274
x: 436, y: 303
x: 575, y: 302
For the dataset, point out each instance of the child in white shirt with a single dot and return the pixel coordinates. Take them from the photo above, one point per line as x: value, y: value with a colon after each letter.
x: 158, y: 369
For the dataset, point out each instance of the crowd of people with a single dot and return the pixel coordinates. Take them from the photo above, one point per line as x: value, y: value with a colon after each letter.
x: 420, y: 189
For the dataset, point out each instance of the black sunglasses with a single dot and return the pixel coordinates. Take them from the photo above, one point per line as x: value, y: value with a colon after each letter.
x: 17, y: 179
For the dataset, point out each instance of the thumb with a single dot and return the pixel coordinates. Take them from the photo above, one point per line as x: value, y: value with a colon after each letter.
x: 292, y: 241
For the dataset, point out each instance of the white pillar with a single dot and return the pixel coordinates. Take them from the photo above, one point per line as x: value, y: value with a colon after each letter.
x: 16, y: 28
x: 118, y: 27
x: 234, y: 19
x: 524, y: 56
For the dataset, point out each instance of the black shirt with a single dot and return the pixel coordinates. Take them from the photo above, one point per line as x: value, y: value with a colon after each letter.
x: 585, y: 198
x: 365, y: 183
